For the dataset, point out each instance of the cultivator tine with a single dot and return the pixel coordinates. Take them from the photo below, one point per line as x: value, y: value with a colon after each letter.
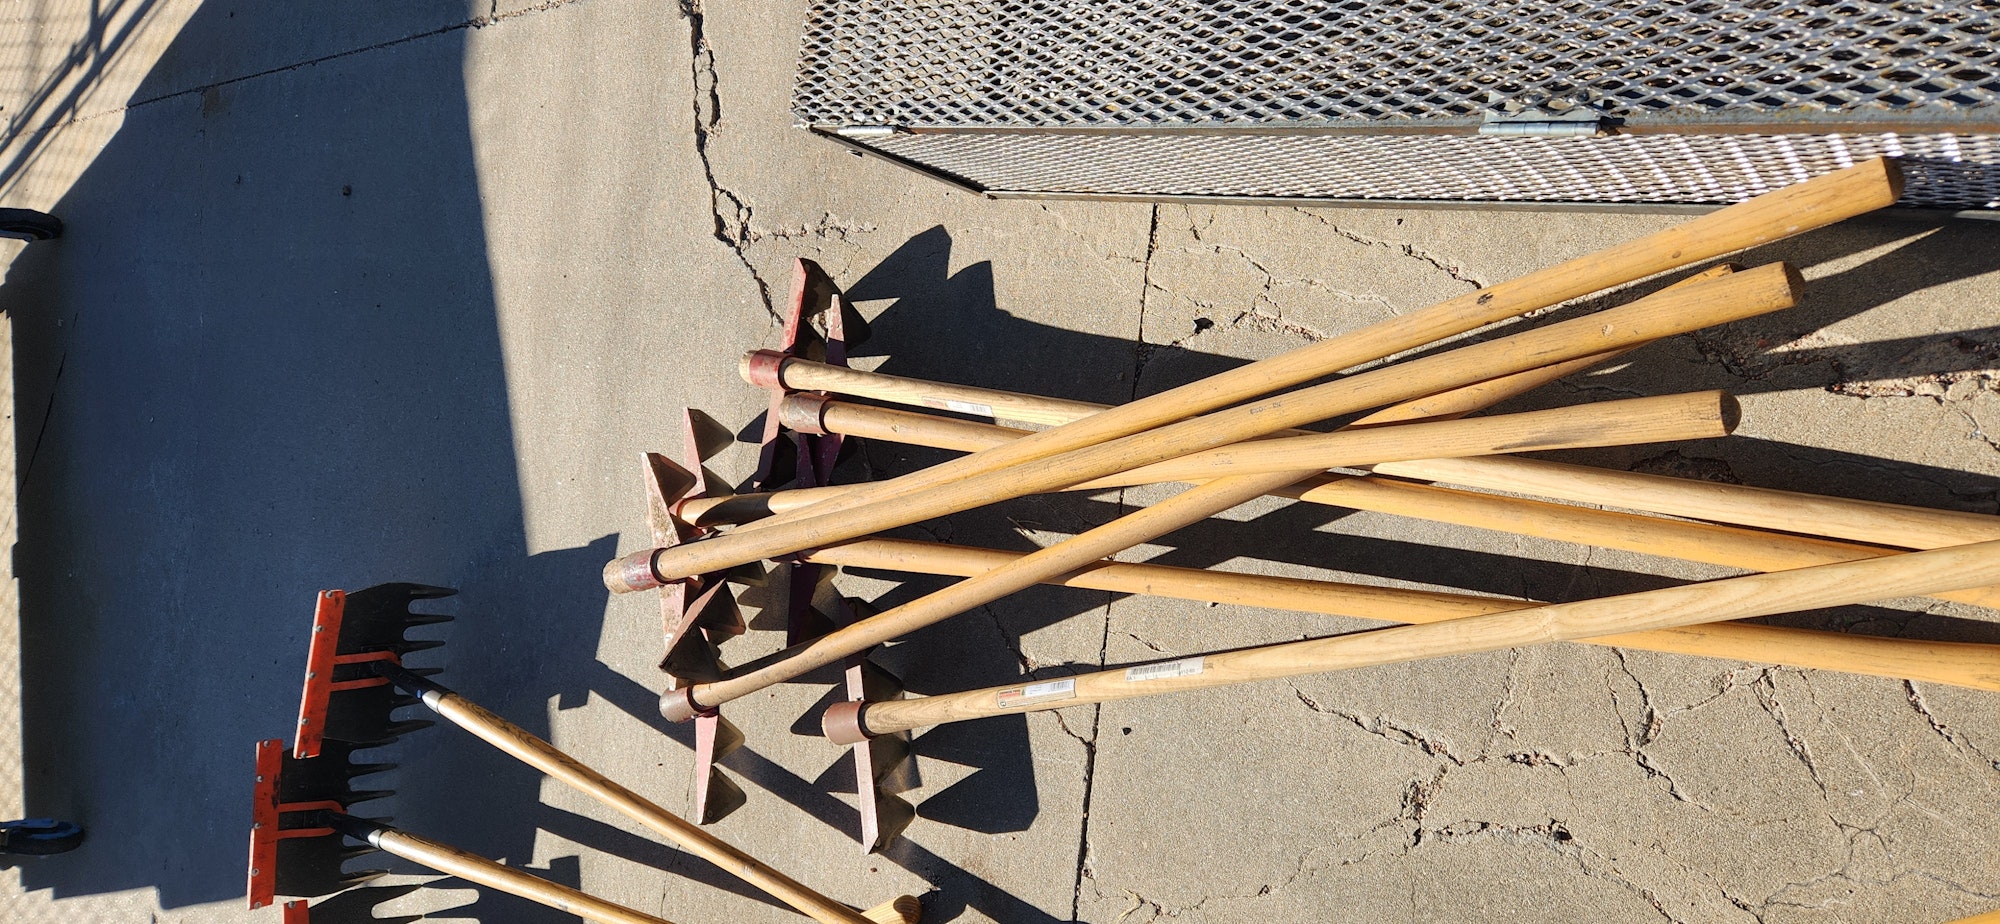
x: 699, y: 614
x: 354, y: 906
x: 883, y: 814
x: 813, y: 607
x: 342, y: 698
x: 715, y: 794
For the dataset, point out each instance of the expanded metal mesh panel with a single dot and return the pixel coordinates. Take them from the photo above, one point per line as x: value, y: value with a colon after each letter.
x: 1957, y: 171
x: 1149, y: 62
x: 1692, y: 101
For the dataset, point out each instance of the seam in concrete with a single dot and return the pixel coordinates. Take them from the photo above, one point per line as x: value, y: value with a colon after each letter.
x: 48, y: 413
x: 1139, y: 357
x: 477, y: 22
x: 729, y: 214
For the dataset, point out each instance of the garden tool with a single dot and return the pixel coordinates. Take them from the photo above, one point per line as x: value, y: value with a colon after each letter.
x: 1767, y: 289
x: 699, y: 614
x: 1814, y: 203
x: 1743, y: 597
x: 301, y: 824
x: 355, y: 713
x: 808, y: 611
x: 1964, y: 664
x: 813, y: 295
x: 543, y: 756
x: 1714, y: 301
x: 807, y: 413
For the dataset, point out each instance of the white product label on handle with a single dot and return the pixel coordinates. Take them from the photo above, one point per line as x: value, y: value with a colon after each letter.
x: 1048, y: 691
x: 1185, y: 667
x: 963, y: 407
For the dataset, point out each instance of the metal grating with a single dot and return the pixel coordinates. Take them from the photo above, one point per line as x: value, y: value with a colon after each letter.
x: 1683, y: 101
x: 1943, y: 171
x: 991, y: 63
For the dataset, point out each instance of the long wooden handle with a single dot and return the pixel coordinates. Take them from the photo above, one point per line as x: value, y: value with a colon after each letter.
x: 1696, y: 415
x: 805, y: 375
x: 1739, y: 295
x: 733, y: 509
x: 482, y: 871
x: 1962, y: 664
x: 1801, y: 207
x: 1191, y: 506
x: 1710, y: 543
x: 1731, y: 598
x: 552, y: 761
x: 1812, y: 514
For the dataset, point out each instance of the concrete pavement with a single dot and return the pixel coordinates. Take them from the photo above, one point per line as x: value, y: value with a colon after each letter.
x: 400, y: 291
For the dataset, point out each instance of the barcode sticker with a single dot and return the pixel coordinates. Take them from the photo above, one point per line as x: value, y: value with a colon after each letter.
x: 963, y: 407
x: 1037, y: 693
x: 1185, y: 667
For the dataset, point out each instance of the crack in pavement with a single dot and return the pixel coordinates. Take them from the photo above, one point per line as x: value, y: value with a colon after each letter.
x: 1923, y: 708
x: 1143, y: 351
x: 1401, y: 247
x: 729, y: 213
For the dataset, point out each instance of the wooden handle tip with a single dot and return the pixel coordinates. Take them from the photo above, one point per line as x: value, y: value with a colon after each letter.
x: 631, y: 573
x: 1892, y: 177
x: 903, y: 909
x: 763, y: 368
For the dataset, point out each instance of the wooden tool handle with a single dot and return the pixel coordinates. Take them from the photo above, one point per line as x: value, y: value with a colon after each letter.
x: 1732, y: 598
x: 1191, y: 506
x: 1715, y: 544
x: 1817, y: 202
x: 1729, y: 546
x: 1812, y: 514
x: 917, y: 429
x: 1697, y: 415
x: 1962, y: 664
x: 806, y: 375
x: 1739, y: 295
x: 482, y: 871
x: 550, y: 760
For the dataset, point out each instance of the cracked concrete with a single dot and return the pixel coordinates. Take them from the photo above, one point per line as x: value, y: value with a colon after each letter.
x: 626, y: 193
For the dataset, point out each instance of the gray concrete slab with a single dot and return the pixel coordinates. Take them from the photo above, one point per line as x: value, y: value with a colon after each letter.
x: 402, y: 291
